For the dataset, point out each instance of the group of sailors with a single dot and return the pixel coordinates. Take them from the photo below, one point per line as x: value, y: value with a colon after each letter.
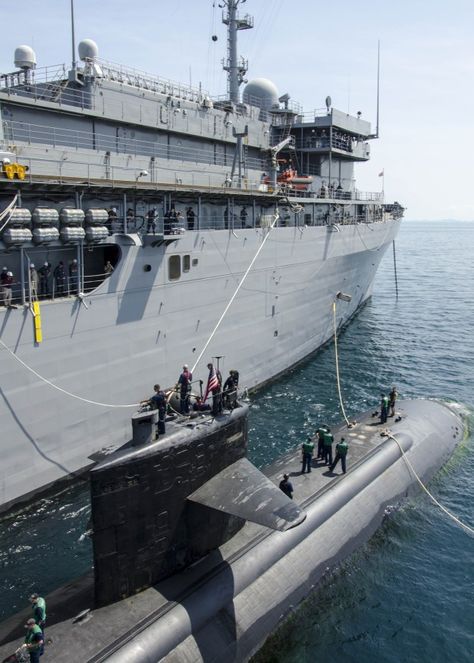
x: 325, y: 441
x: 33, y: 643
x: 324, y: 450
x: 40, y: 281
x: 44, y: 281
x: 173, y: 220
x: 224, y: 395
x: 333, y: 191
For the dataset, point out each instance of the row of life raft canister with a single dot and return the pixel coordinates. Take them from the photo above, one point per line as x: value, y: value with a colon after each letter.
x: 49, y: 225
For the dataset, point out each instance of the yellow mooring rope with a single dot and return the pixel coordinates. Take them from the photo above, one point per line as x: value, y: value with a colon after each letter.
x: 338, y: 378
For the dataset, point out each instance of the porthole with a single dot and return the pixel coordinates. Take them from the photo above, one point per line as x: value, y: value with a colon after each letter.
x: 147, y: 268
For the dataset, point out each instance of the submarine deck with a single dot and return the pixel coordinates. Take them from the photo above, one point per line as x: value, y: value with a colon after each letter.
x: 100, y: 632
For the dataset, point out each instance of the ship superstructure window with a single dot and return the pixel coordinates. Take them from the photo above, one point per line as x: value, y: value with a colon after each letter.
x: 174, y: 267
x: 195, y: 262
x: 186, y: 263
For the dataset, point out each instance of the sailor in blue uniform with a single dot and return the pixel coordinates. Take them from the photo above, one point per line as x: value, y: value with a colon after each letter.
x: 383, y: 409
x: 184, y: 384
x: 158, y: 402
x: 44, y: 274
x: 286, y: 486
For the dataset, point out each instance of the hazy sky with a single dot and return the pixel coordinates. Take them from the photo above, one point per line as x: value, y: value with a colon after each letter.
x: 310, y: 49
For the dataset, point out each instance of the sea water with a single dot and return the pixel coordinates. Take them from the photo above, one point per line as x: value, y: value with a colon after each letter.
x: 407, y: 594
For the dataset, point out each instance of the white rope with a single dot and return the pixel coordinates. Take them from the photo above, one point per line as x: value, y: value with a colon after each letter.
x: 134, y: 405
x: 467, y: 528
x: 374, y: 250
x: 6, y: 212
x: 277, y: 216
x: 338, y: 378
x: 55, y: 386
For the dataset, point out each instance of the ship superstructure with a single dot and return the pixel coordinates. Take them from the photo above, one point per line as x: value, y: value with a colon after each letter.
x: 130, y: 209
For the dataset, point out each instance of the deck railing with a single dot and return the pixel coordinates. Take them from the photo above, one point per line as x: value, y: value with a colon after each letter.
x: 74, y: 139
x: 41, y: 169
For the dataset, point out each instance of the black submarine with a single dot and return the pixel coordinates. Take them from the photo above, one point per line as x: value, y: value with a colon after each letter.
x: 198, y: 555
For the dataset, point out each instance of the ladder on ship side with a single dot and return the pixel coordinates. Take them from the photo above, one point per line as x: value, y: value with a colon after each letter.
x: 53, y: 91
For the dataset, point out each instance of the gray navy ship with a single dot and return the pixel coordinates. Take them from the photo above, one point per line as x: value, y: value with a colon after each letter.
x: 133, y: 211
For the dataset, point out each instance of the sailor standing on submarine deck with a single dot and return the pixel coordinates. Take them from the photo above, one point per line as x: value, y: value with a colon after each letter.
x: 327, y: 448
x: 286, y: 486
x: 392, y: 401
x: 320, y: 433
x: 184, y: 383
x: 158, y: 402
x: 307, y: 449
x: 34, y: 640
x: 39, y: 610
x: 341, y: 453
x: 383, y: 409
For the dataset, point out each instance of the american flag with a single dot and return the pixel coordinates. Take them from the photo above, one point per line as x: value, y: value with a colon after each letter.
x: 212, y: 383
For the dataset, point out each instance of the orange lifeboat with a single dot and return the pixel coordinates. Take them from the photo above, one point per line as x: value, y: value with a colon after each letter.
x: 292, y: 180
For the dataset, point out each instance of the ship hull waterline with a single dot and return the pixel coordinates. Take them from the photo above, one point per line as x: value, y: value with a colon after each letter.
x: 139, y: 328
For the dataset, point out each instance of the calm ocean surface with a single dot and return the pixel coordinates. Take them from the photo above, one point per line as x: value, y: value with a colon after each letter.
x: 408, y: 594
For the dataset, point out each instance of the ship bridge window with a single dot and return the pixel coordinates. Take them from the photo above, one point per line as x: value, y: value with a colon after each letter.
x: 174, y: 267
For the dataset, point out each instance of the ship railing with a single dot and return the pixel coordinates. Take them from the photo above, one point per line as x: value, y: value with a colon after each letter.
x: 340, y: 142
x: 53, y: 92
x: 135, y: 77
x: 69, y: 171
x: 310, y: 116
x: 58, y: 288
x: 50, y: 74
x: 292, y: 105
x: 93, y: 281
x: 33, y: 134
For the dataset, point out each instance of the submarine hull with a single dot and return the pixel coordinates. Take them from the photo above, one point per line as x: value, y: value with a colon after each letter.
x: 225, y: 606
x: 230, y: 621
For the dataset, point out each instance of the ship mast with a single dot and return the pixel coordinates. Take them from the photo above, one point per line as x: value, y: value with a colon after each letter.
x: 236, y: 68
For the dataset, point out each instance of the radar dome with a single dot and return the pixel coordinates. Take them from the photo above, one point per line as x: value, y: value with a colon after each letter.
x: 261, y: 93
x: 88, y: 49
x: 25, y: 57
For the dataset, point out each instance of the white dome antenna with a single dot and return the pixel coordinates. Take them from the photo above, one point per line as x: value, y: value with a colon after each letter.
x: 88, y: 50
x: 25, y: 57
x: 262, y: 93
